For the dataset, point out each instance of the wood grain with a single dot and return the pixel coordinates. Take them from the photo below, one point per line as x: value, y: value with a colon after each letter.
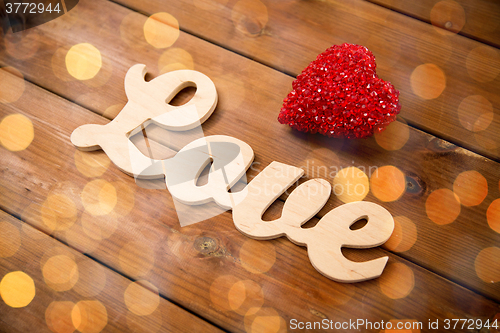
x: 247, y: 108
x: 200, y: 266
x: 117, y: 302
x: 150, y: 245
x: 287, y: 35
x: 477, y: 19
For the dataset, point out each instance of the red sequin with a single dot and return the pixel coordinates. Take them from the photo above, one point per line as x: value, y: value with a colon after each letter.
x: 340, y: 95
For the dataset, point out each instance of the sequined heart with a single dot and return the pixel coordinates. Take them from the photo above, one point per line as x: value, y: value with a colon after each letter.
x: 340, y: 95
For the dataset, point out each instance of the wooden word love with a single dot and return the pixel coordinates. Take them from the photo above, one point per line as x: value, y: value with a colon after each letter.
x: 230, y: 160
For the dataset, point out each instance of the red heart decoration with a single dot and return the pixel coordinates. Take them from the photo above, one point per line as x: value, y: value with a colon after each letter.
x: 340, y: 95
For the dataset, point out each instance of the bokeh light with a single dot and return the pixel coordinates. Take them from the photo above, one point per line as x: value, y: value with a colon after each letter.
x: 58, y: 212
x: 244, y: 296
x: 395, y: 136
x: 475, y: 113
x: 140, y: 300
x: 229, y: 293
x: 89, y: 316
x: 428, y: 81
x: 249, y: 17
x: 136, y: 259
x: 11, y: 85
x: 487, y: 265
x: 161, y: 30
x: 10, y: 239
x: 471, y: 187
x: 493, y: 215
x: 442, y: 206
x: 83, y: 61
x: 388, y: 183
x: 448, y: 15
x: 60, y: 272
x: 483, y: 63
x: 91, y: 164
x: 256, y: 256
x: 404, y: 235
x: 99, y: 197
x: 17, y: 289
x: 264, y: 320
x: 397, y: 281
x: 351, y: 184
x: 174, y: 59
x: 16, y: 132
x: 58, y: 317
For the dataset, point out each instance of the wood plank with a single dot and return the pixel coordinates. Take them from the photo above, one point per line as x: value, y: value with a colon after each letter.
x: 477, y: 19
x: 205, y: 267
x: 287, y: 35
x: 72, y: 291
x: 428, y: 163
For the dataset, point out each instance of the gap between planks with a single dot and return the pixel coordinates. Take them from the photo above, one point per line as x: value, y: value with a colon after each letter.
x: 180, y: 306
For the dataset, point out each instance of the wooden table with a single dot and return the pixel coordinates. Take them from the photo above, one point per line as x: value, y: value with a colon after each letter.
x: 106, y: 254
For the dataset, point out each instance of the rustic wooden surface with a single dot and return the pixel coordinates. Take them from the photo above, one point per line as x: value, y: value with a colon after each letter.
x: 443, y: 256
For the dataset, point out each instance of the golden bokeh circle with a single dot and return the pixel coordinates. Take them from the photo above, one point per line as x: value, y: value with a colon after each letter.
x: 395, y: 136
x: 140, y: 300
x: 83, y: 61
x: 475, y: 113
x: 448, y: 15
x: 388, y: 183
x: 471, y: 187
x: 17, y: 289
x: 442, y: 206
x: 428, y: 81
x: 257, y: 256
x: 16, y: 132
x: 351, y: 184
x: 10, y: 239
x: 58, y: 317
x: 174, y: 59
x: 397, y: 281
x: 59, y: 212
x: 493, y: 215
x: 483, y: 63
x: 99, y: 197
x: 249, y: 17
x: 89, y: 316
x: 404, y: 235
x: 244, y: 296
x: 487, y: 264
x: 91, y: 164
x: 161, y: 30
x: 264, y: 320
x: 136, y: 259
x: 11, y: 85
x: 60, y: 272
